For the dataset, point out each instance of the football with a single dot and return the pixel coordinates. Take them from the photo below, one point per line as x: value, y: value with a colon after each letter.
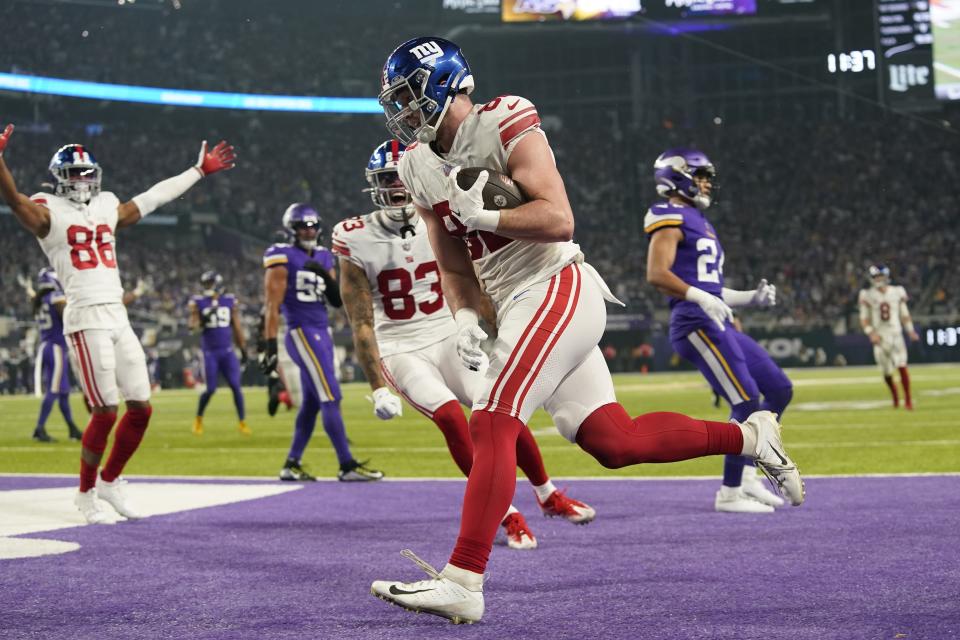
x: 500, y: 192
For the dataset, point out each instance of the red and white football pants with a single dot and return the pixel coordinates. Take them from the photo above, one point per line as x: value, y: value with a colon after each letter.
x: 110, y: 363
x: 431, y: 377
x: 546, y: 353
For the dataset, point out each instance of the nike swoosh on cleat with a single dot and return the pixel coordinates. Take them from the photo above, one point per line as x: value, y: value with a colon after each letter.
x: 779, y: 455
x: 401, y: 592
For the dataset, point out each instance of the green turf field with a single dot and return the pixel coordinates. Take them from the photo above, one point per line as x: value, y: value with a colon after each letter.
x: 839, y: 423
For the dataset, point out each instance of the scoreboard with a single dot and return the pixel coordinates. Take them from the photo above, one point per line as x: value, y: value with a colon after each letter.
x: 905, y: 43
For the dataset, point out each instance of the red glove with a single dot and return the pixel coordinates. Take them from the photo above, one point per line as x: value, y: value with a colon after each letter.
x: 220, y: 158
x: 5, y: 137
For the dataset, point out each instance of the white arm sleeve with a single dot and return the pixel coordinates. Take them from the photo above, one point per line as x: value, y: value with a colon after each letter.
x: 736, y: 298
x: 166, y: 191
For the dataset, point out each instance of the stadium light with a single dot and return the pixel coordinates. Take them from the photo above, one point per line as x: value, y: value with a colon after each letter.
x: 186, y: 98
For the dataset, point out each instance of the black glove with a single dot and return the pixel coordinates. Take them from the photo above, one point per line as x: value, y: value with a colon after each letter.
x: 268, y: 359
x: 244, y: 360
x: 331, y: 287
x: 206, y: 314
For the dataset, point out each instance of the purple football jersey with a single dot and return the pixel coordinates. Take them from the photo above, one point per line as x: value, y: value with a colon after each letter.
x: 304, y: 304
x: 49, y: 319
x: 699, y: 260
x: 217, y: 322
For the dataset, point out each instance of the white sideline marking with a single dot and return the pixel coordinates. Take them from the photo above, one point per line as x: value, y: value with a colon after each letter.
x: 35, y: 510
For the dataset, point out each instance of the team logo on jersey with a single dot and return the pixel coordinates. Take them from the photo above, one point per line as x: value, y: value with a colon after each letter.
x: 427, y: 52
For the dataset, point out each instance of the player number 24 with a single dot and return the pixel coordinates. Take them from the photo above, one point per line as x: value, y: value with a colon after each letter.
x: 708, y: 269
x: 83, y: 255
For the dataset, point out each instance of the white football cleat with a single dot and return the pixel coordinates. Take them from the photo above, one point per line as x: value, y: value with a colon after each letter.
x: 115, y: 494
x: 734, y: 500
x: 754, y: 488
x: 518, y: 533
x: 439, y: 596
x: 89, y: 506
x: 772, y: 458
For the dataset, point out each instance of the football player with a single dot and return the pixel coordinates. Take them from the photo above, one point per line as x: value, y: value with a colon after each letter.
x: 52, y: 364
x: 685, y: 261
x: 884, y: 315
x: 300, y: 281
x: 76, y: 227
x: 405, y: 335
x: 216, y: 314
x: 549, y: 305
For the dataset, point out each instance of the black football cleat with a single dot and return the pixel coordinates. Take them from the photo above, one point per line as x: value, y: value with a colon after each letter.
x: 41, y: 435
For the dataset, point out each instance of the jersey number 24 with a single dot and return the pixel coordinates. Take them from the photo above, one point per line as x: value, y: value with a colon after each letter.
x: 708, y: 269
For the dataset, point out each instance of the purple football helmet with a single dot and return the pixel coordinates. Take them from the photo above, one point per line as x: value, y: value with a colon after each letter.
x: 674, y: 171
x: 298, y: 216
x: 47, y: 280
x: 211, y: 281
x: 420, y: 79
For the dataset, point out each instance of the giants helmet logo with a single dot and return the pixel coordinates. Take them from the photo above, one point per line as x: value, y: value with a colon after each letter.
x: 427, y: 52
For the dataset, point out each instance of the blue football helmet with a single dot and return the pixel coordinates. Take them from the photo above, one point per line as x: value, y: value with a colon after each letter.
x: 299, y: 216
x: 76, y: 173
x: 420, y: 79
x: 879, y: 274
x: 674, y: 171
x: 212, y: 282
x: 386, y: 190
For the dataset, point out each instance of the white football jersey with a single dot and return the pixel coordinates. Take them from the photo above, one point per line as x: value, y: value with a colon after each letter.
x: 883, y: 307
x: 485, y: 139
x: 409, y: 310
x: 81, y: 248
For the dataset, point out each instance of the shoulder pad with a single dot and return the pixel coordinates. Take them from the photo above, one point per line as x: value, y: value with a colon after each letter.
x: 275, y: 255
x: 659, y: 217
x: 514, y: 116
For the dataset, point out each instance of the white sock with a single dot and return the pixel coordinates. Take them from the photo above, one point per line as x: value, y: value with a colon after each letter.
x: 749, y: 474
x: 728, y: 492
x: 544, y: 490
x: 749, y: 432
x: 467, y: 579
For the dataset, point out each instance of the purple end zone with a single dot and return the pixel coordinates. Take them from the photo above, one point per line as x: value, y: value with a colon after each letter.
x: 864, y: 558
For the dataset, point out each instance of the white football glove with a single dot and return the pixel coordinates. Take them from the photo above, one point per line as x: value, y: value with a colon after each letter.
x: 467, y: 205
x: 469, y: 337
x: 715, y: 308
x: 385, y: 404
x: 765, y: 295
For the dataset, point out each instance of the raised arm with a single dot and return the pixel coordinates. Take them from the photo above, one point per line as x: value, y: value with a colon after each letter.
x: 222, y: 157
x: 33, y: 216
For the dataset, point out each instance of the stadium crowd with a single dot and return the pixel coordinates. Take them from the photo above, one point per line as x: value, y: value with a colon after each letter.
x: 807, y: 206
